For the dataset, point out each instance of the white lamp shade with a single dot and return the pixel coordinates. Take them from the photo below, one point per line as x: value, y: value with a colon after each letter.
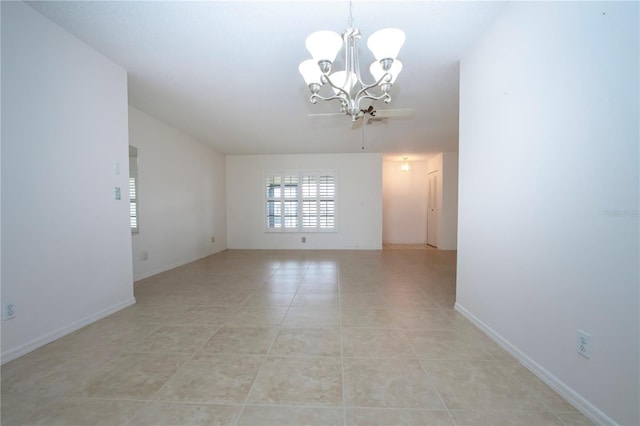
x: 324, y: 45
x: 378, y: 72
x: 340, y: 79
x: 386, y: 43
x: 310, y: 71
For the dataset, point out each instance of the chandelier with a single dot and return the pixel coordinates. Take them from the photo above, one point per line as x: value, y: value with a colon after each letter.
x: 347, y: 85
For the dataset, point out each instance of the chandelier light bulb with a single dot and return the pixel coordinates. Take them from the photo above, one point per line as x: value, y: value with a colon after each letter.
x: 377, y: 71
x: 386, y: 44
x: 310, y: 72
x: 324, y: 45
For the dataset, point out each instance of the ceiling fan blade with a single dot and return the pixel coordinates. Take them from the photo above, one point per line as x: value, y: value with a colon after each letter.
x: 327, y: 115
x: 400, y: 112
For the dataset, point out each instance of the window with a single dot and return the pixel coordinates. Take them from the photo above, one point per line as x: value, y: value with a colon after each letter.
x: 301, y: 201
x: 133, y: 204
x: 133, y: 189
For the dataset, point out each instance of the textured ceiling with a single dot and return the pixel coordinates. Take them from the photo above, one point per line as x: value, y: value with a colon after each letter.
x: 227, y: 72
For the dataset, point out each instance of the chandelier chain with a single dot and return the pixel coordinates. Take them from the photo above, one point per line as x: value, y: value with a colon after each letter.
x: 350, y: 14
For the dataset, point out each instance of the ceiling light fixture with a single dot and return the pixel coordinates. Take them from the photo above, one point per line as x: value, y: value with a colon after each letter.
x: 405, y: 164
x: 348, y: 87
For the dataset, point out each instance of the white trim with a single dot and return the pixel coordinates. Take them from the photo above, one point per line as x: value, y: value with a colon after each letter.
x: 63, y: 331
x: 181, y: 262
x: 573, y: 397
x: 300, y: 174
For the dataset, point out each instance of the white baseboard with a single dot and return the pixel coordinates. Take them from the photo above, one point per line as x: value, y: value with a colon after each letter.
x: 34, y: 344
x: 182, y: 262
x: 160, y: 270
x: 574, y: 398
x: 165, y: 268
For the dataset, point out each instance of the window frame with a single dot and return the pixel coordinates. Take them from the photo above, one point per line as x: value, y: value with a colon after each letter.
x: 134, y: 200
x: 299, y: 199
x: 133, y: 205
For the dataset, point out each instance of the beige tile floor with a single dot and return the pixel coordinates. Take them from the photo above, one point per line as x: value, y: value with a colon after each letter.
x: 284, y: 338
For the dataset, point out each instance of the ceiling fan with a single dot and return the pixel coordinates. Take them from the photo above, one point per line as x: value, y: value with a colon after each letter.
x: 375, y: 115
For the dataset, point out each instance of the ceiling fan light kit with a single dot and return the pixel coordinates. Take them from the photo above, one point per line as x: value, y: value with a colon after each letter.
x: 348, y: 87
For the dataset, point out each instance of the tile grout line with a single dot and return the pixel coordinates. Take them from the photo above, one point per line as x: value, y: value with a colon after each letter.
x: 431, y: 378
x: 534, y: 395
x: 152, y: 396
x: 266, y: 354
x: 342, y: 371
x: 187, y: 361
x: 243, y: 405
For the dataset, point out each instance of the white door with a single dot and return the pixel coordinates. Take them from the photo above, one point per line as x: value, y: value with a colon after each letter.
x: 432, y: 209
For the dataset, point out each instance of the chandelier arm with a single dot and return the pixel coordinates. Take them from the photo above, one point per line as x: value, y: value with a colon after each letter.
x: 351, y: 36
x: 364, y: 92
x: 344, y: 95
x: 385, y: 96
x: 348, y: 55
x: 352, y: 104
x: 315, y: 97
x: 355, y: 59
x: 366, y: 87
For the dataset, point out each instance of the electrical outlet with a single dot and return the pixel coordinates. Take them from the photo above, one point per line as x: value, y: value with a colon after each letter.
x: 9, y: 311
x: 117, y: 193
x: 304, y: 239
x: 584, y: 344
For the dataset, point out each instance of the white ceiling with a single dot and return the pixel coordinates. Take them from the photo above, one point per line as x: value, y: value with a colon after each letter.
x: 227, y: 72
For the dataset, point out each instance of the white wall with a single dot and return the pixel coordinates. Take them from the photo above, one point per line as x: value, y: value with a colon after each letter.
x: 181, y: 193
x: 359, y: 201
x: 66, y: 243
x: 548, y: 225
x: 448, y: 232
x: 404, y: 203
